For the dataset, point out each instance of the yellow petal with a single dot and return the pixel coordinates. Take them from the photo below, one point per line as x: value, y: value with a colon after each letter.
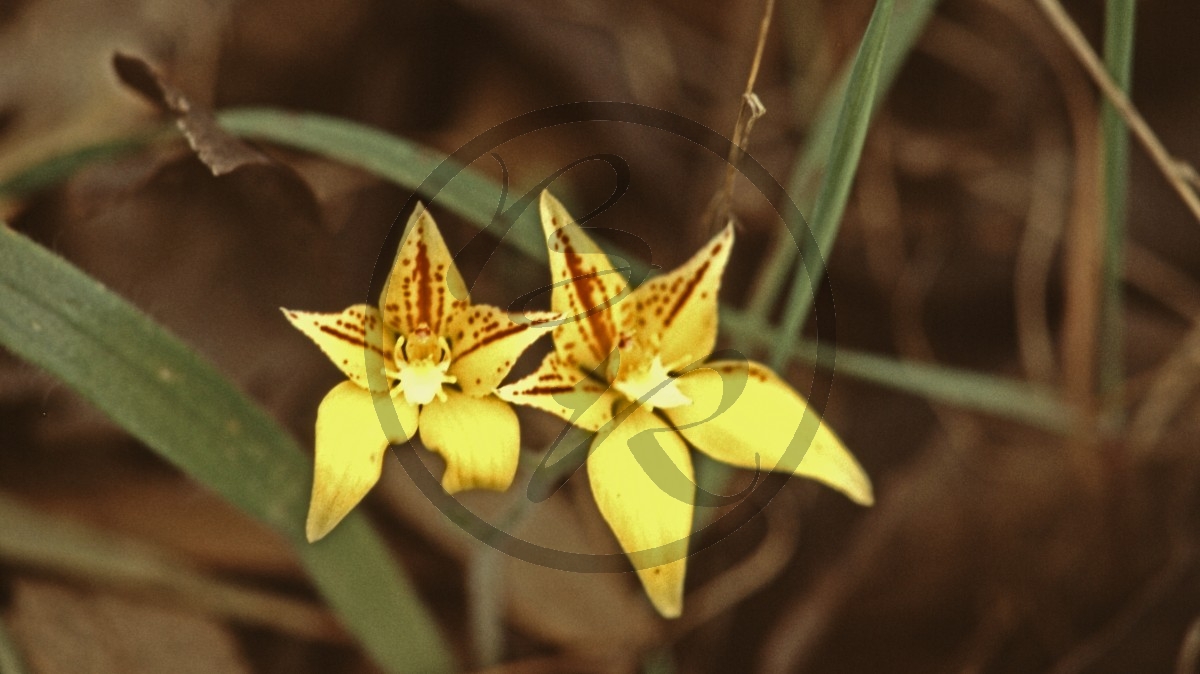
x: 650, y: 516
x: 485, y: 342
x: 354, y: 340
x: 585, y: 290
x: 424, y: 286
x: 478, y: 437
x: 565, y: 392
x: 761, y: 423
x: 675, y: 315
x: 350, y: 443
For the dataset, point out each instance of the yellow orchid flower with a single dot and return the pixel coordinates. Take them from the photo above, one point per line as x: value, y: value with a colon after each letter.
x: 431, y: 356
x: 620, y: 366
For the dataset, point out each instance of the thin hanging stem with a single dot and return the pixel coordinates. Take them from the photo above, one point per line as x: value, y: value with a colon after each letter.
x: 749, y: 112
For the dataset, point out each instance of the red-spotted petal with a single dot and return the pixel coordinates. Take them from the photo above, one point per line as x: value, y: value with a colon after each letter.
x: 354, y: 340
x: 424, y: 286
x: 485, y: 342
x: 565, y: 392
x: 674, y: 315
x: 585, y: 288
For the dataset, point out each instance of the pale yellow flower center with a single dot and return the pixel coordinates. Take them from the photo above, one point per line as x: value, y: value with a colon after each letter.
x: 422, y: 363
x: 638, y: 383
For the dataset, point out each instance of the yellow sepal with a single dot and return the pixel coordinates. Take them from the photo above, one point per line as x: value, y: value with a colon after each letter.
x: 352, y: 436
x: 650, y: 516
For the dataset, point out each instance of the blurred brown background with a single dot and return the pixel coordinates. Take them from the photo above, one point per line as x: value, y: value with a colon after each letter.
x: 993, y: 547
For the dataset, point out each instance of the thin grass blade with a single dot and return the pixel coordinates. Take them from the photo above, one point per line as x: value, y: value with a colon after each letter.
x: 999, y: 396
x: 1118, y: 57
x: 908, y: 22
x: 848, y: 140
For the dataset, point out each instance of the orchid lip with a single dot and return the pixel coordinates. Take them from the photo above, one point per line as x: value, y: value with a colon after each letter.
x: 421, y: 380
x: 654, y: 386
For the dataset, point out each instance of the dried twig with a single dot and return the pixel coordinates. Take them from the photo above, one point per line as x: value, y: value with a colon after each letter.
x: 1154, y: 276
x: 749, y: 112
x: 1083, y: 236
x: 1082, y: 269
x: 1179, y: 374
x: 1035, y: 256
x: 1176, y: 172
x: 1177, y: 377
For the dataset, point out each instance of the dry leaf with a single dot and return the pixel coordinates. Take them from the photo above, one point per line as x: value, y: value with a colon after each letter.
x: 64, y: 630
x: 220, y: 151
x: 57, y: 90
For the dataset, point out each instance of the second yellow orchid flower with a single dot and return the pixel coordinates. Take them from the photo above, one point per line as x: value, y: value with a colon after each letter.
x: 430, y: 356
x: 620, y: 366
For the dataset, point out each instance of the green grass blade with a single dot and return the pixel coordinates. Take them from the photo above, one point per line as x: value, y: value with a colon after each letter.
x: 908, y: 22
x: 1118, y: 57
x: 162, y: 393
x: 1005, y: 398
x: 999, y: 396
x: 848, y: 140
x: 470, y: 193
x: 58, y: 168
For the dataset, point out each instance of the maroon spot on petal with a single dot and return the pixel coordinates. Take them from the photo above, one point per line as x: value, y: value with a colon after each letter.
x: 491, y: 338
x: 546, y: 390
x: 687, y: 292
